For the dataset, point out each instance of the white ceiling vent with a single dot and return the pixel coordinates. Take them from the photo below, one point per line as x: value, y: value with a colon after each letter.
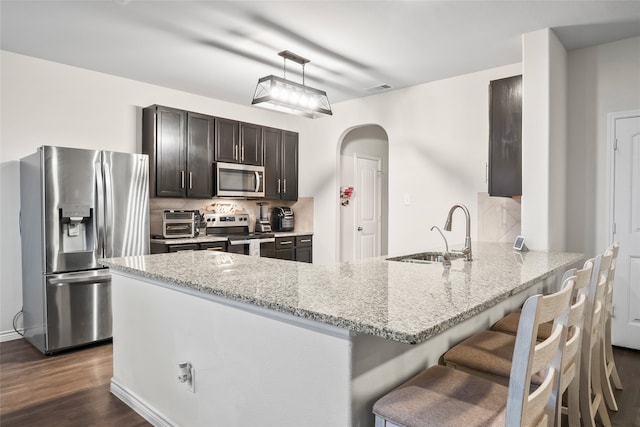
x: 378, y: 88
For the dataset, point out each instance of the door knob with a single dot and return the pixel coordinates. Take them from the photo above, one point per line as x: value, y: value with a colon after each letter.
x: 359, y: 228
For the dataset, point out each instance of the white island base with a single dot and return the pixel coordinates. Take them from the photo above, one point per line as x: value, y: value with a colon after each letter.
x: 255, y: 366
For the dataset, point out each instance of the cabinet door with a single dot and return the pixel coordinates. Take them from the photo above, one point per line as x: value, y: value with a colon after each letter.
x: 200, y: 148
x: 170, y: 160
x: 505, y: 137
x: 268, y: 250
x: 227, y: 146
x: 304, y: 254
x: 287, y: 254
x: 250, y: 144
x: 271, y: 139
x: 289, y: 166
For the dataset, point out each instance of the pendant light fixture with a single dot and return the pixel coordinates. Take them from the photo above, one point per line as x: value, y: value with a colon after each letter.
x: 280, y: 94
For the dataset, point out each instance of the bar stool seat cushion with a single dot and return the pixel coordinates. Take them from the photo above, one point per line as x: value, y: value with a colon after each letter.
x: 509, y: 325
x: 445, y: 397
x: 487, y: 352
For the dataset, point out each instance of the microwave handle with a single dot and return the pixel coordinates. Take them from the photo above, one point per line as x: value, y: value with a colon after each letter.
x: 257, y: 180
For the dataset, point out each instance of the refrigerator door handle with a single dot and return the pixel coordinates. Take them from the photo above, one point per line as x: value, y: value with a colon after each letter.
x: 99, y: 211
x: 108, y: 210
x: 83, y: 279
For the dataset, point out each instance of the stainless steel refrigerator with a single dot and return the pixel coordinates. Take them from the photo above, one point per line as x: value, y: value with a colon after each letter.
x: 77, y: 206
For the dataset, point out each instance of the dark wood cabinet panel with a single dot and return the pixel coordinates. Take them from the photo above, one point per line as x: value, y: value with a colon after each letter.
x: 161, y: 248
x: 505, y: 137
x: 280, y: 164
x: 183, y: 146
x: 268, y: 250
x: 227, y: 141
x: 272, y: 140
x: 164, y: 141
x: 250, y: 144
x: 200, y: 148
x: 289, y: 166
x: 180, y: 146
x: 287, y: 254
x: 304, y: 254
x: 295, y: 248
x: 304, y: 248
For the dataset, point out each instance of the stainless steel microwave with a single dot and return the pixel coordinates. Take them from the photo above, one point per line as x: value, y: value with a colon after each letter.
x: 236, y: 180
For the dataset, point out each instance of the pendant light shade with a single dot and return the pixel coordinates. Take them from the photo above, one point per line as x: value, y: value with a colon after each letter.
x: 280, y: 94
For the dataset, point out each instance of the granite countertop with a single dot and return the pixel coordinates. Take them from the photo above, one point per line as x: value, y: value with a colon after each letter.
x: 214, y: 238
x: 400, y: 301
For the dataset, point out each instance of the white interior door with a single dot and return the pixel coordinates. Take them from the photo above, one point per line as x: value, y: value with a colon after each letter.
x: 626, y: 217
x: 367, y: 207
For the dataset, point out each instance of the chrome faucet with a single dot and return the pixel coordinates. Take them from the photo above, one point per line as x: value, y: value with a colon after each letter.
x: 446, y: 256
x: 467, y: 240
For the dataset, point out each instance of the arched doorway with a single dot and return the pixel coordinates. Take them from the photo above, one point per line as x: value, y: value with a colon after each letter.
x: 364, y: 165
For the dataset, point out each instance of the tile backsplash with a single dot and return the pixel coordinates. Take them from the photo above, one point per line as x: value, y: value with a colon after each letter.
x: 302, y: 209
x: 498, y: 218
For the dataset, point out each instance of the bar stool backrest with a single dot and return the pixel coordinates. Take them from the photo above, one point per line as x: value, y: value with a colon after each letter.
x: 529, y: 357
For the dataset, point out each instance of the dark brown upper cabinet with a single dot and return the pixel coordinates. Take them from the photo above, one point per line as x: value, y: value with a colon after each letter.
x: 280, y: 164
x: 200, y: 147
x: 180, y: 146
x: 238, y: 142
x: 505, y: 137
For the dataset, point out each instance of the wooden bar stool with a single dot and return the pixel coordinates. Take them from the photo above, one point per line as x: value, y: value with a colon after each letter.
x: 591, y: 397
x: 608, y: 369
x: 442, y: 396
x: 509, y: 323
x: 490, y: 353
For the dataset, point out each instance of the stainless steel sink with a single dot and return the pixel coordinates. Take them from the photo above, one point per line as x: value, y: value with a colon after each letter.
x: 425, y: 257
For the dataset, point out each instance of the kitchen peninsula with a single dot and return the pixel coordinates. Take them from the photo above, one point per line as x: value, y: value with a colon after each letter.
x: 280, y: 343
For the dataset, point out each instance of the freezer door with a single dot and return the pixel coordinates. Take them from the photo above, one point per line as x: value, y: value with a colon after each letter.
x: 126, y: 204
x: 78, y: 309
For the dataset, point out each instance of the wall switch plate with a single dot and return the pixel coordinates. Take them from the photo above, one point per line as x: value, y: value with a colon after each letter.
x: 191, y: 385
x: 407, y: 199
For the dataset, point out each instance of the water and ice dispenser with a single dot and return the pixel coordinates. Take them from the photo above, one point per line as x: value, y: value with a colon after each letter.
x: 77, y: 240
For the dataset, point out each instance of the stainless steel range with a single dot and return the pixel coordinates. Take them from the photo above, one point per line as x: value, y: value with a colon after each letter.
x: 235, y: 227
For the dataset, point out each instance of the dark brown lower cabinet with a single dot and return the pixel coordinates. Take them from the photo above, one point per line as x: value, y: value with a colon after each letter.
x: 304, y: 248
x: 162, y: 248
x: 295, y: 248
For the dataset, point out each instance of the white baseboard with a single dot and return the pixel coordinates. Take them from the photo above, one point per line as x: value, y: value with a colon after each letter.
x: 134, y: 402
x: 9, y: 336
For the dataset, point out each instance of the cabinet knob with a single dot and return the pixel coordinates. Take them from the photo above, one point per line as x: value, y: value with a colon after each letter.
x: 359, y: 228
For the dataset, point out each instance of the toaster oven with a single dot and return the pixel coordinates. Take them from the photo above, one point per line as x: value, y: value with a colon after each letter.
x: 178, y: 224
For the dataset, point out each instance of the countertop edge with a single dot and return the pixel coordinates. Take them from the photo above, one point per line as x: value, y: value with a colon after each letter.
x: 341, y: 322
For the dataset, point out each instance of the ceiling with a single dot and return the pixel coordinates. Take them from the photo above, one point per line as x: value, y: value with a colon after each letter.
x: 219, y: 49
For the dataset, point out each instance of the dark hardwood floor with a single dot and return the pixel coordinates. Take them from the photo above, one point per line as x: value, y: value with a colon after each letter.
x: 72, y: 388
x: 68, y: 389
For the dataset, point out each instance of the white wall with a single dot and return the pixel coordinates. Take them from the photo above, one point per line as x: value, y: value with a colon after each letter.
x: 602, y: 79
x: 44, y: 103
x: 544, y: 136
x: 438, y: 147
